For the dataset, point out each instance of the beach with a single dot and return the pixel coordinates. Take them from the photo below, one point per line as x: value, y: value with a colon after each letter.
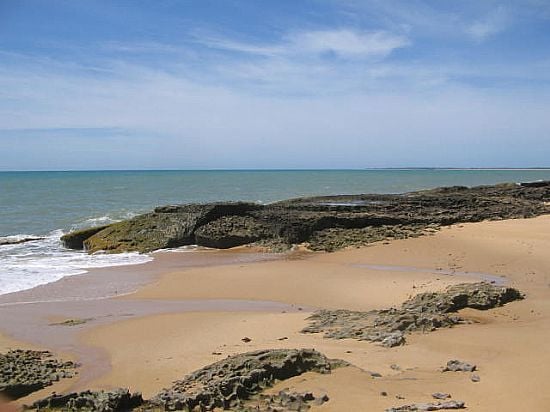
x: 180, y: 318
x: 274, y: 206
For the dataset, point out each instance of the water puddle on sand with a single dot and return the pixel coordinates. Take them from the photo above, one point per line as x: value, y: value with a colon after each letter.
x: 58, y: 325
x: 486, y: 277
x: 53, y: 316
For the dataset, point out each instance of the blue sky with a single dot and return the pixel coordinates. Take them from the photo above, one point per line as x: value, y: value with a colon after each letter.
x: 203, y: 84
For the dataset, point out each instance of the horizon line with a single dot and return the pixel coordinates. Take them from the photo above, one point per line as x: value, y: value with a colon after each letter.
x: 397, y: 168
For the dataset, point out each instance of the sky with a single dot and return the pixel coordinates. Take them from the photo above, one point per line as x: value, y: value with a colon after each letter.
x: 278, y: 84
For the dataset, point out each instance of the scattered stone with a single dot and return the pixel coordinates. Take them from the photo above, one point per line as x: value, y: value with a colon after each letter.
x: 424, y: 312
x: 459, y: 366
x: 283, y: 338
x: 395, y: 367
x: 246, y: 339
x: 475, y: 378
x: 374, y: 374
x: 229, y: 382
x: 441, y: 395
x: 429, y: 406
x: 321, y: 399
x: 284, y: 401
x: 383, y: 393
x: 100, y: 401
x: 26, y: 371
x: 71, y: 322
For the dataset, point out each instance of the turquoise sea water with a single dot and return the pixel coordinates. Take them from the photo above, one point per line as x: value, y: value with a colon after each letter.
x: 39, y: 202
x: 51, y: 203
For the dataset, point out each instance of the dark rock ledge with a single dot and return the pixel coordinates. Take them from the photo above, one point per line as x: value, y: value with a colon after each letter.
x: 424, y: 312
x: 234, y: 383
x: 326, y: 222
x: 26, y: 371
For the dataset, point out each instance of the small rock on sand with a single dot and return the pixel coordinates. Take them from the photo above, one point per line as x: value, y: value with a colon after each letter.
x: 459, y: 366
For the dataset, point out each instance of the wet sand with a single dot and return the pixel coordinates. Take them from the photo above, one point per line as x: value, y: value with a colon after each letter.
x: 191, y: 316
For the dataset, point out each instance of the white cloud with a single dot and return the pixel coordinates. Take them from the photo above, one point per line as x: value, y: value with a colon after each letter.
x: 216, y: 42
x: 140, y: 47
x: 348, y: 43
x: 342, y: 42
x: 280, y: 106
x: 495, y: 22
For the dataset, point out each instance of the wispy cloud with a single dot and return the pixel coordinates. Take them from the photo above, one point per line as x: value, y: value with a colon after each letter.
x: 345, y: 43
x: 495, y: 22
x: 140, y: 47
x: 340, y: 94
x: 349, y: 43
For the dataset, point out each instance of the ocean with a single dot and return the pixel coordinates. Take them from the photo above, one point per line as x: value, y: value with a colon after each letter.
x: 49, y: 204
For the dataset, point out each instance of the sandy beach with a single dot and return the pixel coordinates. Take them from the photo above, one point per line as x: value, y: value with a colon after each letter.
x: 183, y: 317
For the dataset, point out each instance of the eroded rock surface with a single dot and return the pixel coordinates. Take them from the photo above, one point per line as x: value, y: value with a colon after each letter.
x: 26, y: 371
x: 165, y: 227
x: 100, y: 401
x: 326, y: 222
x: 424, y: 312
x: 225, y: 384
x: 432, y: 406
x: 459, y: 366
x: 285, y: 401
x: 234, y: 383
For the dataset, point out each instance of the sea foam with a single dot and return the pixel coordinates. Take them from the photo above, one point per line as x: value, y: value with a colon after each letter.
x: 37, y: 262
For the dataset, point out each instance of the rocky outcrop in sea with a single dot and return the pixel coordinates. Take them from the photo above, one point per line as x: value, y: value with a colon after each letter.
x: 325, y: 222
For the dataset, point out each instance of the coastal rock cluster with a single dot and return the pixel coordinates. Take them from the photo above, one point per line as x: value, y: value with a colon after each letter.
x: 227, y: 384
x: 424, y: 312
x: 325, y: 222
x: 286, y: 401
x: 26, y: 371
x: 430, y: 406
x: 102, y: 401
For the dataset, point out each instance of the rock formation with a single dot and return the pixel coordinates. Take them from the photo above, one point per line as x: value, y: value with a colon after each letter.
x: 26, y: 371
x: 226, y: 384
x: 326, y: 222
x: 424, y: 312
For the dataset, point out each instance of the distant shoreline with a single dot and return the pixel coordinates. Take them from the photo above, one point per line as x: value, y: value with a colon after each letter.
x: 542, y: 168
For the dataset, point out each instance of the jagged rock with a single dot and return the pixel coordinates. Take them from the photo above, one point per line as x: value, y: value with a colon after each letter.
x: 424, y: 312
x: 165, y: 227
x: 459, y: 366
x: 226, y: 383
x: 26, y: 371
x: 440, y: 395
x: 326, y: 222
x: 100, y: 401
x: 285, y: 401
x: 230, y: 231
x: 475, y: 378
x: 17, y: 240
x: 438, y: 406
x: 75, y: 240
